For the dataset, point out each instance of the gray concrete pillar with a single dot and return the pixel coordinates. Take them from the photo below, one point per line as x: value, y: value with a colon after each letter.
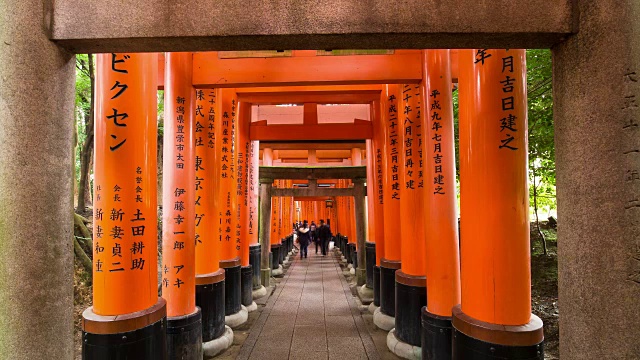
x: 361, y: 221
x: 597, y: 124
x: 36, y: 185
x: 264, y: 233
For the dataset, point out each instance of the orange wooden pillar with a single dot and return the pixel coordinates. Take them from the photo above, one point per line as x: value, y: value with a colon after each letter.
x: 210, y: 278
x: 255, y: 249
x: 380, y: 131
x: 276, y: 244
x: 393, y: 123
x: 226, y: 111
x: 243, y: 162
x: 178, y: 215
x: 370, y: 244
x: 494, y: 318
x: 411, y: 293
x: 125, y: 289
x: 441, y: 224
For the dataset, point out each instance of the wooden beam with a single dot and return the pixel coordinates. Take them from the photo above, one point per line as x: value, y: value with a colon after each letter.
x: 305, y: 145
x: 310, y: 115
x: 209, y: 71
x: 318, y: 97
x: 359, y: 130
x: 313, y: 192
x: 308, y: 173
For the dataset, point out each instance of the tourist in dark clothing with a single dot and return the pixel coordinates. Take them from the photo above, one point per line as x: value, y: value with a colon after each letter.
x: 303, y: 238
x: 313, y: 232
x: 324, y: 236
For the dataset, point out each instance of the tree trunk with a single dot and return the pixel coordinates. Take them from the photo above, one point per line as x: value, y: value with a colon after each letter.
x: 86, y: 153
x: 535, y: 207
x: 84, y: 259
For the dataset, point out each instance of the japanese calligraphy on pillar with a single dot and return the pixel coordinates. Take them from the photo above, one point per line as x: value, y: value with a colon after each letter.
x: 412, y: 139
x: 254, y: 189
x: 125, y: 184
x: 435, y: 124
x: 379, y: 176
x: 631, y: 152
x: 227, y: 188
x: 206, y: 181
x: 394, y: 164
x: 179, y: 170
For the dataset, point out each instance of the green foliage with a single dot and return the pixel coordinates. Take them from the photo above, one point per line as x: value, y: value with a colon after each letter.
x: 82, y: 106
x: 160, y: 113
x: 542, y: 161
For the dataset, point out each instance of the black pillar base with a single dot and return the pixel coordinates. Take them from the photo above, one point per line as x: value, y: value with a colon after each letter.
x: 246, y: 285
x: 104, y: 338
x: 210, y: 295
x: 354, y: 254
x: 411, y: 297
x: 233, y: 286
x: 467, y: 348
x: 370, y: 256
x: 184, y: 336
x: 275, y: 250
x: 388, y: 286
x: 436, y: 336
x: 477, y: 340
x: 255, y: 255
x: 376, y: 286
x: 283, y: 251
x: 349, y: 253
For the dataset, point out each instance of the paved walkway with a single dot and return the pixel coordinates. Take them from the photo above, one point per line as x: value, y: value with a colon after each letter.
x: 311, y: 315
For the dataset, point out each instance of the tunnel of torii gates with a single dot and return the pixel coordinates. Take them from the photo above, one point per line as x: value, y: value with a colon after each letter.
x: 227, y: 221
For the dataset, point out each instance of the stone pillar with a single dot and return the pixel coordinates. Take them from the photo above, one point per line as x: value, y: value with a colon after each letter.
x: 265, y: 229
x: 597, y: 129
x: 441, y: 225
x: 37, y: 121
x: 125, y: 213
x: 494, y: 318
x: 361, y: 220
x: 184, y: 320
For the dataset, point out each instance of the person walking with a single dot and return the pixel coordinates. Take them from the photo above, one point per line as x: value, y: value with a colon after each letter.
x: 303, y: 238
x: 324, y: 235
x: 314, y: 235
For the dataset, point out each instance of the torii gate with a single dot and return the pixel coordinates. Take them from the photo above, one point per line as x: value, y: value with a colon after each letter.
x: 268, y: 174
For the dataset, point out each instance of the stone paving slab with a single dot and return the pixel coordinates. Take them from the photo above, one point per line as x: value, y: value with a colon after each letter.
x: 311, y: 314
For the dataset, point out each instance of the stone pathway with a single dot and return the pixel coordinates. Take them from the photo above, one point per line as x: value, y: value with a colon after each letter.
x: 311, y: 315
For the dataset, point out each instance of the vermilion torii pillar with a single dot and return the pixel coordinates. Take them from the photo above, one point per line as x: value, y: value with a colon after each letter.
x: 383, y: 317
x: 441, y: 225
x: 370, y: 244
x: 255, y: 249
x: 411, y: 294
x: 125, y: 289
x: 380, y: 160
x: 274, y: 239
x: 243, y: 163
x: 494, y: 319
x: 210, y: 278
x: 184, y: 325
x: 225, y: 127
